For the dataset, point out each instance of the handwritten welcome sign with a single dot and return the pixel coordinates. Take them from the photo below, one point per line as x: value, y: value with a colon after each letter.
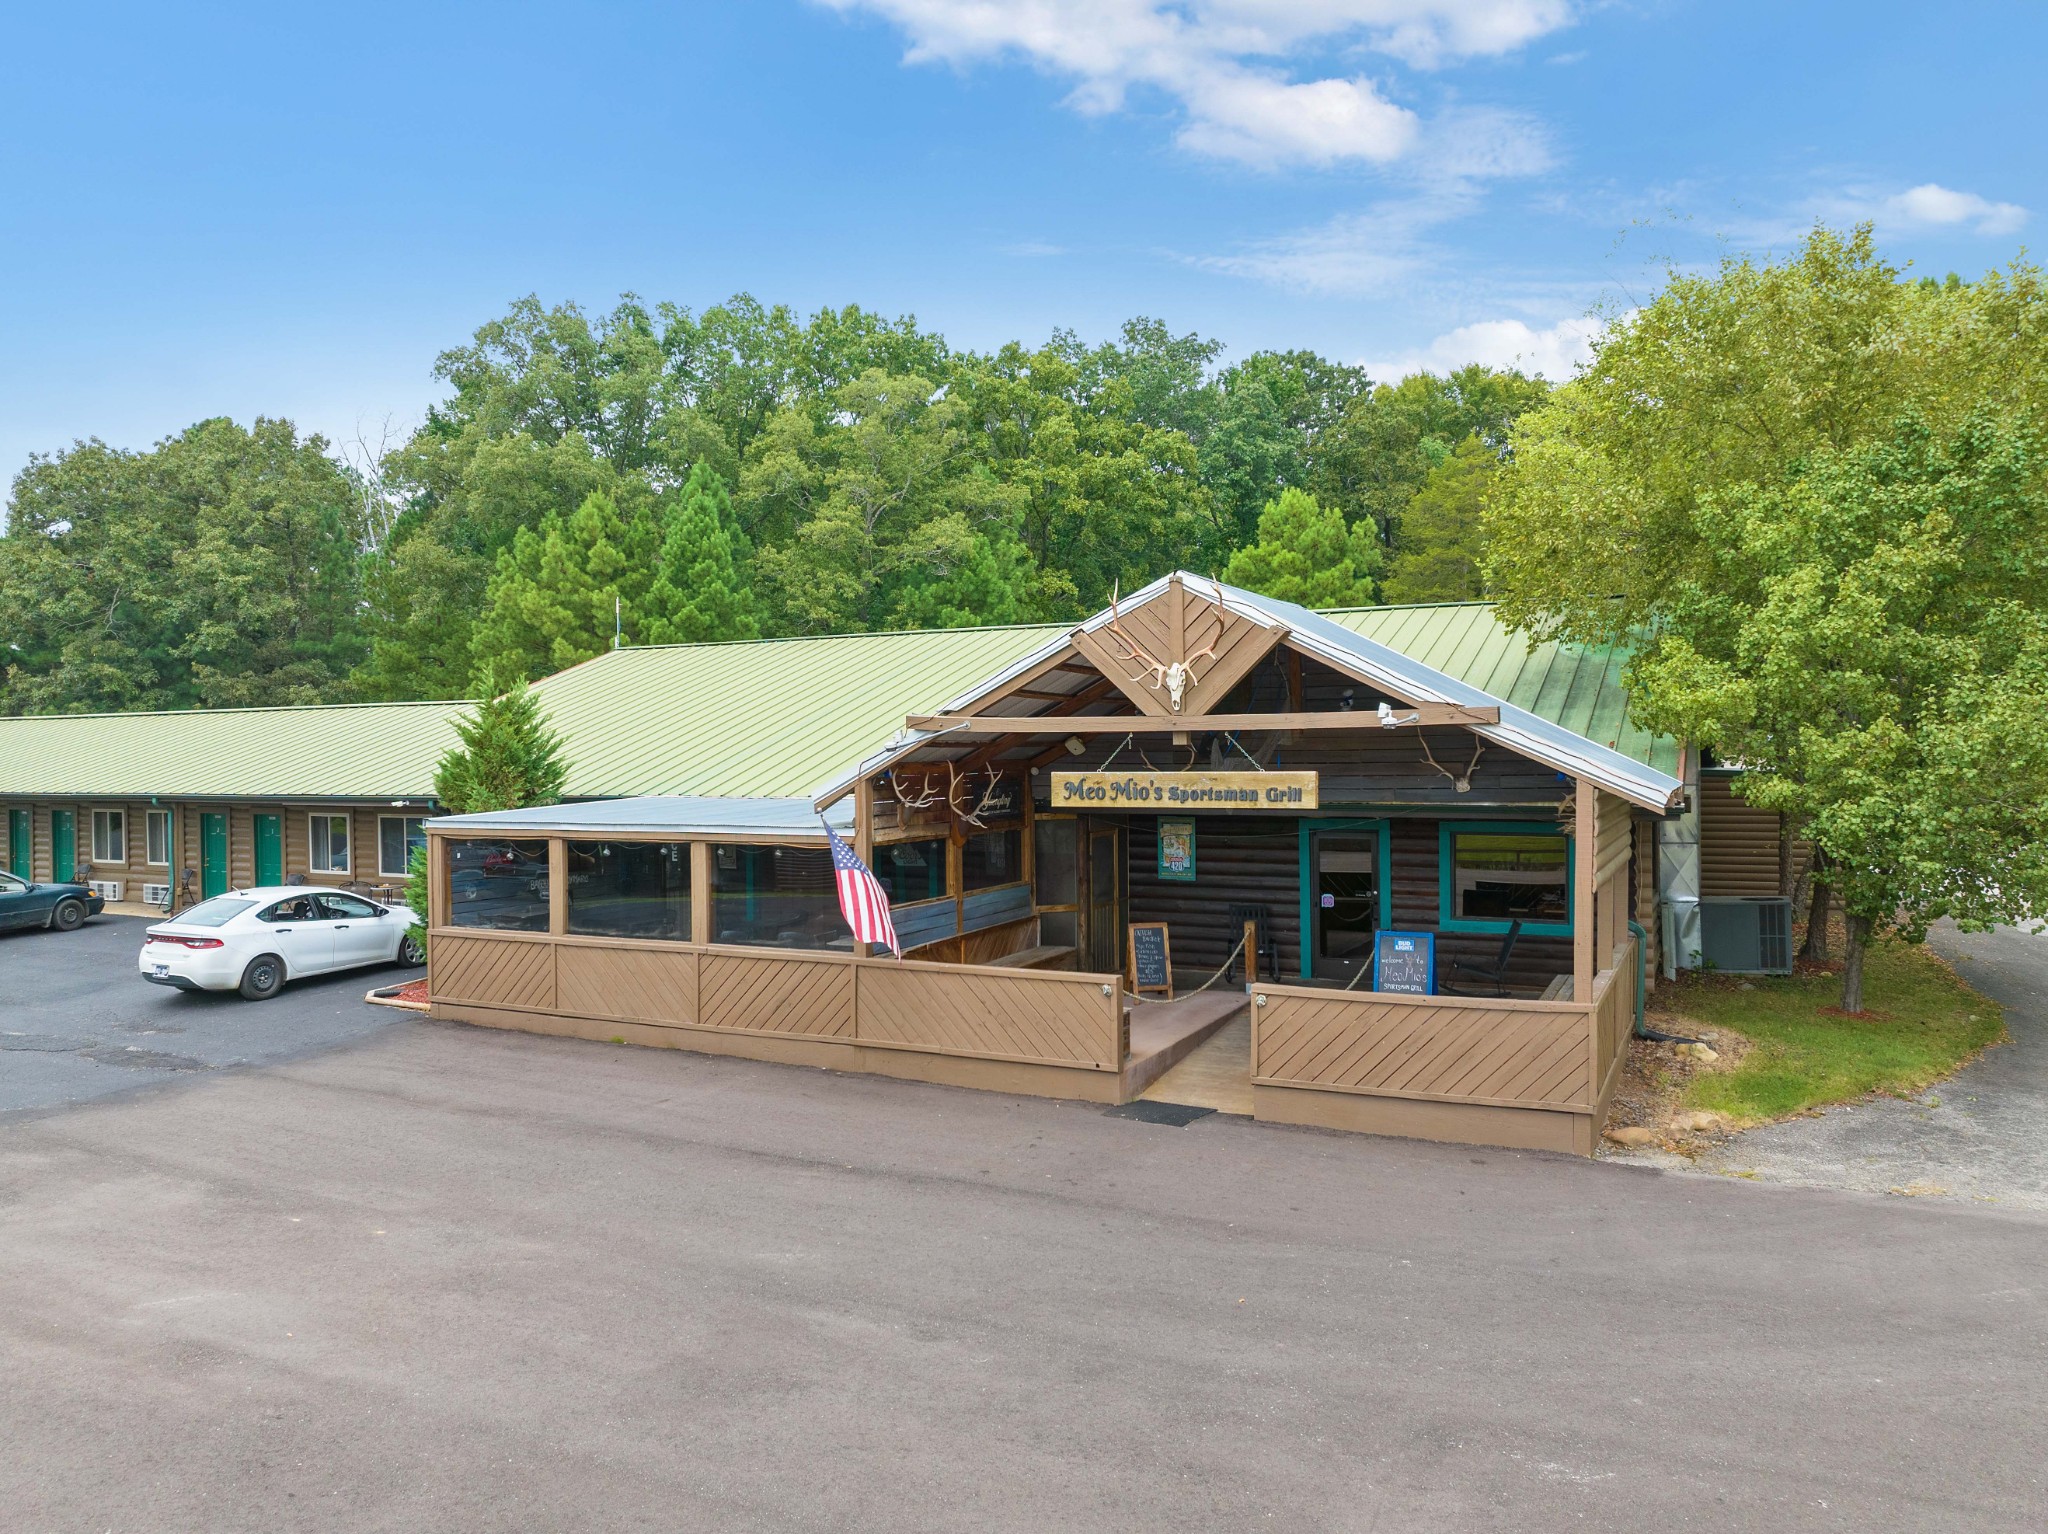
x: 1185, y: 790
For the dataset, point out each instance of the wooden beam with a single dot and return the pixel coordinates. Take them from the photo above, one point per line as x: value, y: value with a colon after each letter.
x: 1408, y: 715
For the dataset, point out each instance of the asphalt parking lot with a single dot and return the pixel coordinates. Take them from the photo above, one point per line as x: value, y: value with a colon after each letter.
x: 430, y: 1277
x: 77, y: 1022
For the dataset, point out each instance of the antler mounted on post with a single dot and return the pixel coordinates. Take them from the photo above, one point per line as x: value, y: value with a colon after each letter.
x: 972, y: 815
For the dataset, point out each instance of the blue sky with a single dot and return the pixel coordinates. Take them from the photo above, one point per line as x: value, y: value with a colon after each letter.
x: 237, y: 209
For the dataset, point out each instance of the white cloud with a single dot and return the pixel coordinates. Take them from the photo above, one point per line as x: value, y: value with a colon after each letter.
x: 1388, y: 243
x: 1556, y: 352
x: 1224, y: 61
x: 1932, y: 205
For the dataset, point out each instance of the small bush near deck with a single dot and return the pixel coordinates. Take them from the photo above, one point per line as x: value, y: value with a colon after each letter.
x: 1922, y: 1024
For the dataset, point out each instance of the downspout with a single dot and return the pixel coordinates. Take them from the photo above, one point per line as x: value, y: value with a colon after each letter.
x: 1642, y: 974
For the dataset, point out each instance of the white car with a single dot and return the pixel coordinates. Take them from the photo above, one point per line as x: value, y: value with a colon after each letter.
x: 255, y: 940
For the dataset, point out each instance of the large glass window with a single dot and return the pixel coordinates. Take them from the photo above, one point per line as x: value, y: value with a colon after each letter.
x: 630, y: 889
x: 912, y: 870
x: 327, y: 843
x: 500, y: 884
x: 993, y: 857
x: 157, y: 834
x: 1493, y: 877
x: 109, y: 836
x: 776, y: 897
x: 398, y: 837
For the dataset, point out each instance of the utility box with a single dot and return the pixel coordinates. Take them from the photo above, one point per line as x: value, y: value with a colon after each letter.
x: 1746, y: 935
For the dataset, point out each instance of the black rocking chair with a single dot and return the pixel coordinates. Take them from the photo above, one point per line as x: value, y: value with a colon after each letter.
x: 1494, y: 975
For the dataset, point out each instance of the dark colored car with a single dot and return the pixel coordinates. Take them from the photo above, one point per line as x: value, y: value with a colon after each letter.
x: 63, y: 906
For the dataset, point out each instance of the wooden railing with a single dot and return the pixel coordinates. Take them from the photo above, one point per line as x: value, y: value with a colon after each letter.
x: 1026, y: 1016
x: 1514, y: 1054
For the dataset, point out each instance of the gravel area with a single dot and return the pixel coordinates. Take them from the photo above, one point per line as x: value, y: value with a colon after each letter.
x: 1981, y: 1136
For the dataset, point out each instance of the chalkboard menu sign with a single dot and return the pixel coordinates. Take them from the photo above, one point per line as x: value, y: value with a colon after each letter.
x: 1405, y: 962
x: 1151, y: 967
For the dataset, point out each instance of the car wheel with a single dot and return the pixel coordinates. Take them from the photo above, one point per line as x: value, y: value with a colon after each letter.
x: 69, y: 915
x: 264, y: 977
x: 411, y: 951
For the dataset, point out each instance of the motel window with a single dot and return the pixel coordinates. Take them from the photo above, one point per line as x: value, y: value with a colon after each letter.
x: 109, y: 836
x: 776, y: 897
x: 500, y: 884
x: 630, y: 889
x: 156, y: 834
x: 1495, y: 875
x: 993, y: 857
x: 398, y: 838
x: 327, y: 843
x: 912, y: 870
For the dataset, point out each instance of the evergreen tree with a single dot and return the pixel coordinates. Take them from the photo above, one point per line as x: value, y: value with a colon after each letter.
x: 559, y: 592
x: 1437, y: 557
x: 701, y: 589
x: 508, y: 759
x: 1306, y: 554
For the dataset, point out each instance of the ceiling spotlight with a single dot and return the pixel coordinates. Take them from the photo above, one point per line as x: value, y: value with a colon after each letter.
x: 1075, y: 746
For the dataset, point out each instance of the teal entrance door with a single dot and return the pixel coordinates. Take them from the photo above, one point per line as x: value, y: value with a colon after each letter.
x: 213, y: 856
x: 269, y: 850
x: 63, y: 846
x: 18, y: 842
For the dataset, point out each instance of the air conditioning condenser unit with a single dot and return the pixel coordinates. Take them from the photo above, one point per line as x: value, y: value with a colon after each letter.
x: 1746, y: 935
x: 156, y: 894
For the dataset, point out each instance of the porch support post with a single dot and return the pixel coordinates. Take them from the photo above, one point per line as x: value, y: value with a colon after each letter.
x: 1585, y: 850
x: 558, y: 886
x: 700, y: 892
x: 864, y: 837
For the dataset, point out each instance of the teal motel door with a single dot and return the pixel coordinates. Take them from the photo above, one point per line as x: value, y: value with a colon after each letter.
x: 63, y: 846
x: 213, y: 856
x: 18, y: 842
x: 269, y: 850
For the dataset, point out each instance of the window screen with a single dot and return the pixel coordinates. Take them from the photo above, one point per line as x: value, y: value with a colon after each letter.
x: 993, y: 857
x: 912, y: 870
x: 500, y: 884
x: 630, y: 889
x: 776, y: 897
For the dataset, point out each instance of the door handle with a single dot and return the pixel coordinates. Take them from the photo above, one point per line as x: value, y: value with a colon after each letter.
x: 343, y: 927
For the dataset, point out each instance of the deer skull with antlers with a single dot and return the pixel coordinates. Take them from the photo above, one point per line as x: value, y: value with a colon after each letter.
x: 972, y: 815
x: 1174, y: 678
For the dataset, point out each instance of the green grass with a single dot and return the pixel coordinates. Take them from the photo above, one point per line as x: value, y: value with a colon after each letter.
x: 1925, y: 1023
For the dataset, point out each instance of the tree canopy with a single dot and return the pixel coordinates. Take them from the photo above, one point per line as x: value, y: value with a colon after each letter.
x: 668, y: 473
x: 1810, y: 495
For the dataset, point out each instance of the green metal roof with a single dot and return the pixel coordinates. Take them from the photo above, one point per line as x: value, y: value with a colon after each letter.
x: 1570, y: 685
x: 338, y: 751
x: 769, y: 718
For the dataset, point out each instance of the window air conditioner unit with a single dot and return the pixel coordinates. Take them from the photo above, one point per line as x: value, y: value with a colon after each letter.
x: 106, y: 889
x: 156, y: 894
x: 1746, y: 935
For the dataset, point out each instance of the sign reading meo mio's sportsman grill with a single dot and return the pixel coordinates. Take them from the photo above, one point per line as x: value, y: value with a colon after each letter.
x: 1184, y: 790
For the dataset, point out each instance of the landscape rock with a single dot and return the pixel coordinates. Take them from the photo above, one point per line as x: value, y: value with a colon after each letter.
x: 1633, y: 1135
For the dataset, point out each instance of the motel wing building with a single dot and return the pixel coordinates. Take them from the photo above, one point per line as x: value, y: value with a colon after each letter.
x: 1324, y: 777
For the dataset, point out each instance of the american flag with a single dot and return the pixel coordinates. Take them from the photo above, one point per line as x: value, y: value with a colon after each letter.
x: 861, y: 897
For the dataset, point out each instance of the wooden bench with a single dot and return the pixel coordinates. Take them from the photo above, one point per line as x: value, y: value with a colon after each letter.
x: 1045, y: 956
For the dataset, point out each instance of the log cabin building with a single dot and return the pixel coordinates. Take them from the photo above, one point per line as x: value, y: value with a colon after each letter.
x: 1460, y: 780
x: 1271, y: 787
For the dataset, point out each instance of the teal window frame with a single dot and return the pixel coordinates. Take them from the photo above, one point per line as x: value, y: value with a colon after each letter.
x: 1307, y: 829
x: 1446, y: 918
